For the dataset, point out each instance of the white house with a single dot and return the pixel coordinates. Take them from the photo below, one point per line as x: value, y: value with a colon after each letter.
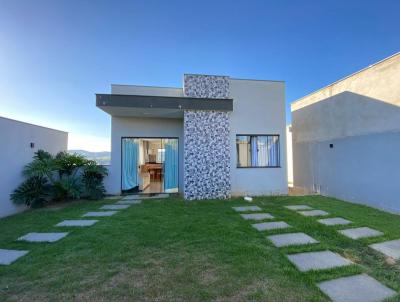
x: 19, y: 143
x: 346, y: 137
x: 215, y: 137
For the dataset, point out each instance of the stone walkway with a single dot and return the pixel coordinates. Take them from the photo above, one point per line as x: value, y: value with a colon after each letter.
x: 317, y: 260
x: 78, y: 223
x: 358, y: 288
x: 115, y: 207
x: 257, y: 216
x: 291, y: 239
x: 388, y: 248
x: 7, y: 257
x: 42, y: 237
x: 358, y: 233
x: 334, y: 221
x: 268, y: 226
x: 247, y: 209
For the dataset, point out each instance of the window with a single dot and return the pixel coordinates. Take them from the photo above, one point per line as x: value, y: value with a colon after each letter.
x: 257, y: 151
x: 160, y: 155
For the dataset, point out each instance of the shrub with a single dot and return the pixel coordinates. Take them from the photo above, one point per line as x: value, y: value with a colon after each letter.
x: 61, y: 177
x: 33, y: 192
x: 92, y: 178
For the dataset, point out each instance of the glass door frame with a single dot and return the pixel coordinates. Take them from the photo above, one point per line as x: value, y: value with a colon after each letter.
x: 146, y: 137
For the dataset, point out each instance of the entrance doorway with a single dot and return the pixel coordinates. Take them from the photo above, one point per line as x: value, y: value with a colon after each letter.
x: 149, y: 165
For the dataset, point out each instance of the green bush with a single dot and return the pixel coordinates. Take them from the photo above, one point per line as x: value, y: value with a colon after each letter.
x: 61, y: 177
x: 92, y: 178
x: 33, y: 192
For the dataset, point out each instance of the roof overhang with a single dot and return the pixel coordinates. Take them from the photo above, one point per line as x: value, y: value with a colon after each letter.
x: 157, y: 106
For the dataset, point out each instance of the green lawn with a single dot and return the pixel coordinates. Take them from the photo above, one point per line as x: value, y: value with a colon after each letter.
x: 169, y: 250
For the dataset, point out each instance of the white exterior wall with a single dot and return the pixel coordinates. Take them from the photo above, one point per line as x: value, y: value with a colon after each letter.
x: 360, y: 117
x: 140, y: 127
x: 16, y: 152
x: 146, y: 90
x: 289, y: 157
x: 258, y: 108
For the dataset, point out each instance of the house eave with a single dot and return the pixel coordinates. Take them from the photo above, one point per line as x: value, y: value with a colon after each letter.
x: 134, y: 105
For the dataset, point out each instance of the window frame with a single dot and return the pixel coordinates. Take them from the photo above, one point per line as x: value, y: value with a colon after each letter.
x: 258, y: 167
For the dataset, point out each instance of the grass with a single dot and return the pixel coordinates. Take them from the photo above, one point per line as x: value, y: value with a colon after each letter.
x: 169, y: 250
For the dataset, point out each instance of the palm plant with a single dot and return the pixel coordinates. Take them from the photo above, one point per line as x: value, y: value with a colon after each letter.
x: 69, y: 183
x: 92, y: 179
x: 61, y: 177
x: 33, y: 192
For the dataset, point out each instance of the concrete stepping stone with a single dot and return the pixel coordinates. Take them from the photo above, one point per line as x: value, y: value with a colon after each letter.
x: 358, y: 288
x: 334, y: 221
x: 134, y: 197
x: 314, y: 213
x: 134, y: 201
x: 113, y: 197
x: 42, y: 237
x: 115, y: 207
x: 257, y: 216
x: 247, y: 209
x: 317, y: 260
x: 268, y: 226
x: 100, y: 214
x: 9, y: 256
x: 291, y: 239
x: 358, y: 233
x: 77, y: 223
x: 389, y: 248
x: 298, y: 207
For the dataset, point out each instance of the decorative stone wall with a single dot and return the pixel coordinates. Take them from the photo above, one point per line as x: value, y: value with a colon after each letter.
x: 206, y: 141
x: 206, y: 86
x: 206, y: 155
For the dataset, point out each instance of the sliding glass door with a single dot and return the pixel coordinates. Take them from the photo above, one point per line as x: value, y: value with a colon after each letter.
x: 149, y: 165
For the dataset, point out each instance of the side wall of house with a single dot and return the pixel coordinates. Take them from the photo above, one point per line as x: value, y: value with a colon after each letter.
x: 346, y: 137
x: 16, y: 152
x: 140, y: 127
x: 258, y: 108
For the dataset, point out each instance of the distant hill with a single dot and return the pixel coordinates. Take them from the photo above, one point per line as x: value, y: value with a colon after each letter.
x: 102, y: 158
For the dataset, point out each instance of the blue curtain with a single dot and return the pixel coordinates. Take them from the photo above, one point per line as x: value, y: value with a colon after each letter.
x: 262, y: 151
x: 254, y: 151
x: 130, y: 153
x: 273, y: 151
x: 171, y: 164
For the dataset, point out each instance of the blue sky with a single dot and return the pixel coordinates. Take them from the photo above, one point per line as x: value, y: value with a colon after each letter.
x: 55, y: 55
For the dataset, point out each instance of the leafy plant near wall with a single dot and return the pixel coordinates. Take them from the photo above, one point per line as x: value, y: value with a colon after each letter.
x: 61, y: 177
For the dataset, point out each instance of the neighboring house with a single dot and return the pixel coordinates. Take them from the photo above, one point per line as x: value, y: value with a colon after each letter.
x: 289, y: 152
x: 20, y: 142
x: 213, y: 138
x: 346, y: 137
